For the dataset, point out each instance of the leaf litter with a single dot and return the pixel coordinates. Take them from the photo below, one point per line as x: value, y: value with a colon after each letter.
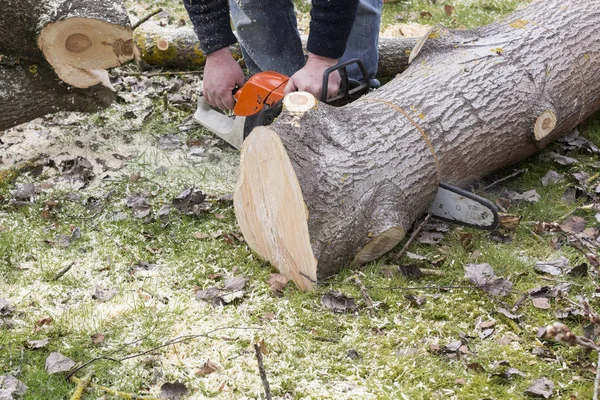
x: 484, y: 277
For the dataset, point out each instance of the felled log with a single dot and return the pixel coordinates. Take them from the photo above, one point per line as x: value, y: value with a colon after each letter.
x: 326, y: 187
x: 49, y: 48
x: 175, y: 46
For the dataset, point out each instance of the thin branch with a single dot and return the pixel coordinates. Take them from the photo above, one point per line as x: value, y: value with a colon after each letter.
x: 366, y: 297
x: 597, y: 380
x: 146, y: 18
x: 412, y: 237
x: 516, y: 173
x: 261, y: 370
x: 177, y: 340
x: 63, y: 271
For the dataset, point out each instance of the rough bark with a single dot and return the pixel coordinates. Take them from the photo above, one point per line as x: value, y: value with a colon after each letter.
x: 469, y: 104
x: 32, y: 91
x: 183, y: 51
x: 46, y: 42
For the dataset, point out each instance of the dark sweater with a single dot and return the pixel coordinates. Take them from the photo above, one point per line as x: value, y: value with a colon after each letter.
x: 331, y: 21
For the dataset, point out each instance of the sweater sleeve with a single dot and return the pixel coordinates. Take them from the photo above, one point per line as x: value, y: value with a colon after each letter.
x: 211, y: 23
x: 330, y: 25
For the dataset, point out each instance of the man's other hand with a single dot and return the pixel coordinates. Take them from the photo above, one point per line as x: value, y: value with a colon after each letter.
x: 222, y: 74
x: 310, y: 77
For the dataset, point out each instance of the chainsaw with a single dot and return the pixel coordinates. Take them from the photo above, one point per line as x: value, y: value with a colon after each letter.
x: 260, y: 101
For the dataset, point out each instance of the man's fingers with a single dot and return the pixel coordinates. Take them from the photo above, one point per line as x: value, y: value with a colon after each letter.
x: 290, y: 87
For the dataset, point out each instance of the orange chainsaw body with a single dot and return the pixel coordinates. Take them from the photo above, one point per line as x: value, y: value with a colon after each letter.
x: 264, y: 88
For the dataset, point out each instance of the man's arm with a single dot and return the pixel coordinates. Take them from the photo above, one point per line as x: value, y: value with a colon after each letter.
x: 211, y: 23
x: 221, y: 72
x: 330, y: 25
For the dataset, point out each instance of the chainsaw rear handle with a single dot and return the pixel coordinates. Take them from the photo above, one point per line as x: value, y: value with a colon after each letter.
x: 350, y: 89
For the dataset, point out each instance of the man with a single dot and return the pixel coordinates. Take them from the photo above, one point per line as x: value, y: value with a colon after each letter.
x: 267, y: 32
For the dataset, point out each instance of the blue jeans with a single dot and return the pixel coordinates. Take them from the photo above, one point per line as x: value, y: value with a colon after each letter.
x: 270, y: 41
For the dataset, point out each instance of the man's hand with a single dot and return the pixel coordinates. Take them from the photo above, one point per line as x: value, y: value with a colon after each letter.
x: 221, y: 75
x: 310, y: 77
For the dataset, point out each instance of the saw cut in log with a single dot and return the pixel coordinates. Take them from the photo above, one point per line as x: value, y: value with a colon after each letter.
x: 329, y: 187
x: 51, y: 48
x: 174, y: 46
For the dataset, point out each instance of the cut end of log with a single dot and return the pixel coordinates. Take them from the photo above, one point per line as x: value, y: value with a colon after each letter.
x: 433, y: 33
x: 299, y: 102
x: 544, y: 124
x: 80, y: 50
x: 379, y: 245
x: 270, y: 208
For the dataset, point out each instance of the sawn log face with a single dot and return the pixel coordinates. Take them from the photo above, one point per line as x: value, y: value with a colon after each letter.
x: 465, y: 107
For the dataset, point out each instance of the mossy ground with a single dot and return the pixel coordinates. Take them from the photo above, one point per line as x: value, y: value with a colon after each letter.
x: 307, y: 345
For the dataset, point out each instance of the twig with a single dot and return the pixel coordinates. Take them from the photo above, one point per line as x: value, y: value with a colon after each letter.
x: 516, y: 173
x: 366, y: 297
x: 146, y: 18
x: 412, y: 237
x: 597, y: 379
x: 63, y: 271
x: 163, y: 300
x: 261, y: 370
x: 177, y: 340
x: 81, y: 385
x: 167, y: 73
x: 112, y: 392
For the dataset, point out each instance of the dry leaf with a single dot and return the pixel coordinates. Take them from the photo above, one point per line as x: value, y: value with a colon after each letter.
x: 510, y: 222
x: 97, y: 338
x: 208, y: 368
x: 173, y: 391
x: 574, y: 225
x: 277, y: 283
x: 201, y: 235
x: 448, y: 9
x: 542, y: 303
x: 56, y: 363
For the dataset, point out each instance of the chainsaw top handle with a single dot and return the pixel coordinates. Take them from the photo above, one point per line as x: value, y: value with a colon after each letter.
x: 350, y: 89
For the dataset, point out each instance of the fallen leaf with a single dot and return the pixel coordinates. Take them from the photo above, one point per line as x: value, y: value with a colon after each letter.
x: 104, y: 294
x: 448, y: 9
x: 5, y: 308
x: 338, y: 302
x: 235, y: 283
x: 500, y: 238
x: 201, y: 235
x: 277, y: 282
x: 574, y: 225
x: 531, y: 196
x: 353, y: 354
x: 44, y: 321
x: 211, y: 295
x: 581, y: 177
x: 569, y: 312
x: 573, y: 141
x: 475, y: 366
x: 460, y: 381
x: 207, y: 368
x: 553, y: 267
x: 485, y: 278
x: 426, y: 14
x: 551, y: 177
x: 541, y: 388
x: 416, y: 301
x: 559, y: 159
x: 466, y: 240
x: 410, y: 271
x: 486, y: 333
x: 430, y: 237
x: 11, y: 387
x: 24, y: 192
x: 173, y: 391
x: 191, y: 202
x: 509, y: 314
x: 453, y: 346
x: 37, y: 344
x: 97, y: 338
x: 169, y: 142
x: 510, y: 222
x: 542, y: 303
x: 56, y: 363
x: 139, y: 205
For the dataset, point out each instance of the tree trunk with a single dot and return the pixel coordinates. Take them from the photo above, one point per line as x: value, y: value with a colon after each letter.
x: 329, y: 187
x: 46, y: 42
x: 177, y: 47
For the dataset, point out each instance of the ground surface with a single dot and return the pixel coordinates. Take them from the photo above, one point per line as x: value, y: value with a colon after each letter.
x: 115, y: 200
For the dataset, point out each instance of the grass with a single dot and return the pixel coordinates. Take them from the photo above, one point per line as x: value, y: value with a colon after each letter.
x: 307, y: 345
